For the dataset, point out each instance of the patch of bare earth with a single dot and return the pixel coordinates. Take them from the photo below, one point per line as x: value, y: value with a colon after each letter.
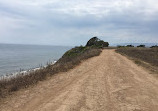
x: 109, y: 82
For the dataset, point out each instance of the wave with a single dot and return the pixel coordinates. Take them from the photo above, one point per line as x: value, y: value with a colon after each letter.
x: 25, y: 72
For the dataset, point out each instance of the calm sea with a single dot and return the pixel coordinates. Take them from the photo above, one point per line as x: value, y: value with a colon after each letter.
x: 14, y: 58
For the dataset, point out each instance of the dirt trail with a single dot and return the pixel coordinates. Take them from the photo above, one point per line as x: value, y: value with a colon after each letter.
x: 109, y: 82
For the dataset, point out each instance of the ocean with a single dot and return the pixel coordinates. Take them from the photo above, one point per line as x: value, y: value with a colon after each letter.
x: 15, y: 58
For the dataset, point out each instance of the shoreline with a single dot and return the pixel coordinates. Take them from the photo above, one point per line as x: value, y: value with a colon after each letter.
x: 24, y: 79
x: 24, y: 72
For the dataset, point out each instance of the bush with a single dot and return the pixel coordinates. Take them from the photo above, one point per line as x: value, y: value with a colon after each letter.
x: 119, y: 46
x: 75, y: 51
x: 141, y: 46
x: 129, y: 46
x: 97, y: 43
x: 154, y: 46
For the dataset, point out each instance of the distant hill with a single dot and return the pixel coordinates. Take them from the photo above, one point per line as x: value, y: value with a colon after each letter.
x: 134, y: 44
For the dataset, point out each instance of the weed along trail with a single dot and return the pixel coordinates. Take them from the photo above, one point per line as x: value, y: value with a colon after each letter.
x: 109, y: 82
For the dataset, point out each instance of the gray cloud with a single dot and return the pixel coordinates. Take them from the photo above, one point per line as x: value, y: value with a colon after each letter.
x: 74, y: 22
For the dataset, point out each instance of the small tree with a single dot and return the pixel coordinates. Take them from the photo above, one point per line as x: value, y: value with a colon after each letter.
x: 92, y: 41
x: 97, y: 42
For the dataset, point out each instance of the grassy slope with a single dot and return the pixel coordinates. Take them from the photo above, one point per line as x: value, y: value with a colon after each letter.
x: 68, y: 61
x: 147, y: 57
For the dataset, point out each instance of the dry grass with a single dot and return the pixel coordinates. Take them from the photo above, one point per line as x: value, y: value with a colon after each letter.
x: 68, y: 61
x: 147, y: 57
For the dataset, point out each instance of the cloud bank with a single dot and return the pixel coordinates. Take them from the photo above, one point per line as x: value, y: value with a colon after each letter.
x: 69, y: 22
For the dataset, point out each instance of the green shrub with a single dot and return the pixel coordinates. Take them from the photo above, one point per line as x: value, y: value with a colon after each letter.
x: 129, y: 46
x: 97, y: 42
x: 141, y: 46
x: 119, y: 46
x: 154, y: 46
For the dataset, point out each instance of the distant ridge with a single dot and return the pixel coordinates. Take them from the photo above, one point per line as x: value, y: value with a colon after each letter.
x: 134, y: 44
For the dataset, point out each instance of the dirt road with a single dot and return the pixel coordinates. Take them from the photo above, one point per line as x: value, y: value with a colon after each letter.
x: 109, y: 82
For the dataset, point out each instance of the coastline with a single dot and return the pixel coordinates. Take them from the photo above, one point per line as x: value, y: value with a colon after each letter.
x: 16, y: 58
x: 12, y: 83
x: 24, y: 72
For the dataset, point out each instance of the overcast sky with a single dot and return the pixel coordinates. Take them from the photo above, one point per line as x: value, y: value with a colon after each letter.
x: 73, y: 22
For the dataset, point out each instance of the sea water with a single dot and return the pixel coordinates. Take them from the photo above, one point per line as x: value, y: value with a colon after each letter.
x: 15, y: 58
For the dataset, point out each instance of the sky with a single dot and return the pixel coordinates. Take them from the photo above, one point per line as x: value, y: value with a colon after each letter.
x: 74, y: 22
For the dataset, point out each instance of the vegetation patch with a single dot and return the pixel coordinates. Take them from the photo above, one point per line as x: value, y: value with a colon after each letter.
x: 96, y: 42
x: 141, y: 46
x: 142, y: 55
